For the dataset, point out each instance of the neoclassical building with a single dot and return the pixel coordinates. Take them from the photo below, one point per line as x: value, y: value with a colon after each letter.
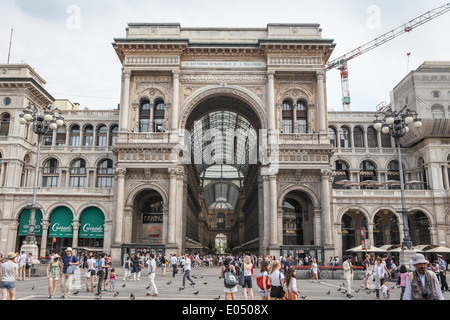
x: 223, y: 141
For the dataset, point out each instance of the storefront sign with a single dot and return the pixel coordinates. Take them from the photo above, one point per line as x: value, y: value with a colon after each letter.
x: 92, y: 224
x: 24, y: 224
x: 61, y: 223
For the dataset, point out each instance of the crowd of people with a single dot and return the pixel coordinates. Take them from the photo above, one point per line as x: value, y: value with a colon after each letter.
x: 421, y: 279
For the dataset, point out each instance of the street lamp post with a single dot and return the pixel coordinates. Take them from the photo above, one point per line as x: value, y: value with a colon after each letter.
x: 41, y: 124
x: 396, y: 124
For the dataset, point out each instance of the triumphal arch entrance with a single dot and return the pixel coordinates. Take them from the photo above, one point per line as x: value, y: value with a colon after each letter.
x: 223, y: 135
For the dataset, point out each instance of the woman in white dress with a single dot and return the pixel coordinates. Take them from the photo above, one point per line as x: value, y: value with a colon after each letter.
x: 315, y: 270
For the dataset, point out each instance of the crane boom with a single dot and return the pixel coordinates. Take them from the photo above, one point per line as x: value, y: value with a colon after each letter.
x: 341, y: 62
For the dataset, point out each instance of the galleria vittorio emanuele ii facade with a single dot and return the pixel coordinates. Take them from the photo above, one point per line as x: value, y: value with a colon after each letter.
x: 224, y: 140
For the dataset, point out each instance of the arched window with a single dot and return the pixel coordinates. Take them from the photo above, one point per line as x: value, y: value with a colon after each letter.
x: 302, y: 116
x: 422, y: 172
x: 340, y: 172
x: 292, y: 222
x: 332, y: 136
x: 287, y: 115
x: 372, y: 137
x: 4, y: 126
x: 88, y: 136
x: 221, y: 220
x: 102, y: 136
x: 348, y: 232
x: 358, y: 137
x: 105, y: 174
x: 61, y: 136
x: 50, y: 174
x: 393, y: 171
x: 344, y: 136
x: 437, y: 112
x: 113, y: 135
x: 144, y: 116
x: 75, y: 135
x: 386, y: 140
x: 158, y: 122
x: 78, y: 174
x: 367, y: 171
x: 378, y: 231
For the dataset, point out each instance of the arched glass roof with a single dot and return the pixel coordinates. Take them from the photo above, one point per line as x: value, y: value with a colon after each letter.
x: 223, y: 144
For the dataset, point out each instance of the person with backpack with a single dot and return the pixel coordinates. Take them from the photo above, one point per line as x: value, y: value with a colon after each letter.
x: 422, y: 284
x: 128, y: 266
x: 229, y: 273
x: 70, y: 262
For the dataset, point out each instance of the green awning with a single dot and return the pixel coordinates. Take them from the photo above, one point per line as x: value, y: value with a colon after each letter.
x: 61, y: 223
x: 25, y: 221
x: 91, y: 224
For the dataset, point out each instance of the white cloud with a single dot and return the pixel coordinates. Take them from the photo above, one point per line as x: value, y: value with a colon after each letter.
x: 80, y: 63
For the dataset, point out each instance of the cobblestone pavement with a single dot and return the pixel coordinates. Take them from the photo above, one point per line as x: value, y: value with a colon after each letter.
x: 208, y: 287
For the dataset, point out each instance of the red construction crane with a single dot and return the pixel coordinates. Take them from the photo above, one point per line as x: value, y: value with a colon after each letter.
x: 341, y: 62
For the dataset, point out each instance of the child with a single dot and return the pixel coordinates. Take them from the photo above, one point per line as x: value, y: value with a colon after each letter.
x: 385, y: 290
x: 112, y: 279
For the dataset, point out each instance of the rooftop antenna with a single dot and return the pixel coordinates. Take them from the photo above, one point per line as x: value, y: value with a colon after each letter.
x: 10, y: 42
x: 407, y: 63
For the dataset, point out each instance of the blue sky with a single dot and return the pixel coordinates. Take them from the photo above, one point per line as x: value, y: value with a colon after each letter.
x: 68, y: 42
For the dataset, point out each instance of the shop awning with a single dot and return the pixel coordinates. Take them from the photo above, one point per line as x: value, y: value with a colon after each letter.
x: 92, y: 224
x: 24, y: 223
x: 61, y: 223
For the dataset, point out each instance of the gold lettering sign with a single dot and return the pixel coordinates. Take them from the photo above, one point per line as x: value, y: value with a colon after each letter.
x: 340, y: 173
x: 393, y: 173
x: 366, y: 173
x: 152, y: 218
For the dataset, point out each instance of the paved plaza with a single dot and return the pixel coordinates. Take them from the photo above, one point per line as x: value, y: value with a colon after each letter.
x: 208, y: 287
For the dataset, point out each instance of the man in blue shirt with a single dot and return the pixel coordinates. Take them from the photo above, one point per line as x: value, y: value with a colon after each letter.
x: 70, y: 262
x: 151, y: 276
x: 442, y: 273
x: 101, y: 273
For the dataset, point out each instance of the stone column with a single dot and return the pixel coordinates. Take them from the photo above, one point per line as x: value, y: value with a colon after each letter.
x: 266, y: 210
x: 179, y: 217
x: 321, y: 97
x: 172, y: 207
x: 271, y: 100
x: 125, y: 101
x: 120, y: 196
x: 261, y: 227
x: 273, y: 212
x: 152, y: 116
x: 326, y: 209
x: 446, y: 180
x: 76, y: 227
x: 128, y: 225
x: 165, y: 224
x: 175, y: 100
x: 45, y: 224
x: 317, y: 226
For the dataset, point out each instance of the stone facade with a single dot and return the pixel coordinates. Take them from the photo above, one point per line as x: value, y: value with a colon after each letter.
x: 137, y: 162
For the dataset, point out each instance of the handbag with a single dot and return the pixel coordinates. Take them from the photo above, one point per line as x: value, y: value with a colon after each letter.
x: 259, y: 282
x: 230, y: 279
x: 289, y: 295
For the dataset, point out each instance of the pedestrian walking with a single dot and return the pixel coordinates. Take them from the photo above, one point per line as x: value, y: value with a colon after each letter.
x: 277, y: 280
x: 163, y: 262
x: 173, y: 262
x: 70, y: 262
x: 403, y: 273
x: 422, y: 284
x: 127, y: 266
x: 136, y: 269
x: 385, y: 290
x: 153, y: 291
x: 348, y: 274
x: 366, y: 268
x: 266, y: 282
x: 442, y: 273
x: 230, y: 290
x: 248, y: 272
x: 290, y: 285
x: 378, y: 275
x: 54, y: 272
x: 102, y: 266
x: 112, y: 279
x: 90, y: 274
x: 8, y: 276
x: 29, y: 264
x: 314, y: 270
x: 187, y: 270
x: 22, y: 265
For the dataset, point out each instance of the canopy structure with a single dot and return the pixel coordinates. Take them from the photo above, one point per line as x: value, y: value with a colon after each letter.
x: 439, y: 249
x: 360, y: 249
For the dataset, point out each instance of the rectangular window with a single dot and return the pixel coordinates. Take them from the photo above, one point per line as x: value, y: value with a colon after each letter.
x: 302, y: 126
x: 50, y: 182
x: 287, y: 125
